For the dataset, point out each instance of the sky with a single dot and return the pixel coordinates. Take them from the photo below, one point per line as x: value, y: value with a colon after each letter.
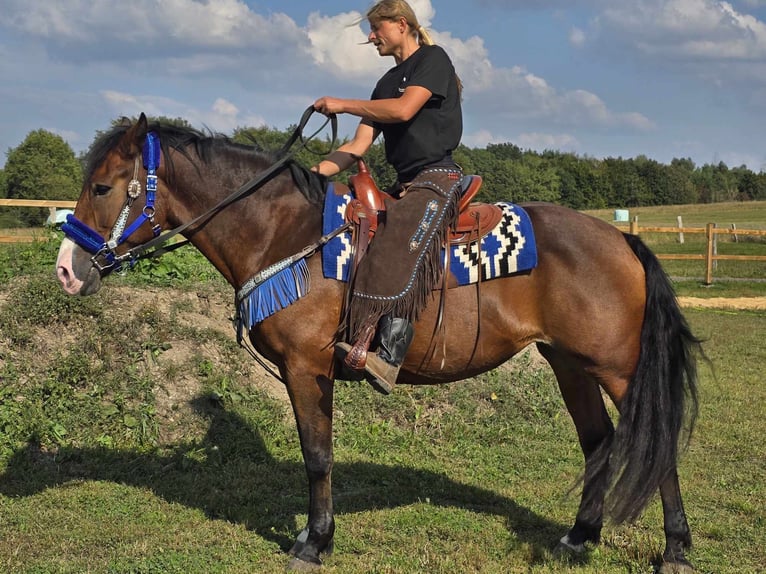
x: 601, y: 78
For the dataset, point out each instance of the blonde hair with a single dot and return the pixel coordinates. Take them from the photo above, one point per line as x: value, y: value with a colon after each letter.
x: 395, y: 9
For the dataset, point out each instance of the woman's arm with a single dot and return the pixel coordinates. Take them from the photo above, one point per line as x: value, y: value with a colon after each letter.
x: 345, y: 156
x: 386, y: 111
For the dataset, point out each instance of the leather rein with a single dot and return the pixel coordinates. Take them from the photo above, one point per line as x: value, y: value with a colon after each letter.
x: 104, y: 256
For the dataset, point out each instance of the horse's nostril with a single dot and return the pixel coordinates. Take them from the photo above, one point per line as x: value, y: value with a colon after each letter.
x: 63, y: 274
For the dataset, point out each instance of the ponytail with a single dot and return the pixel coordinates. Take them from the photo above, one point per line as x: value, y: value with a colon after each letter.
x: 424, y: 38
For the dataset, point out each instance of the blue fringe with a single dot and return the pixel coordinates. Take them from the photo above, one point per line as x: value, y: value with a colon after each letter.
x: 278, y: 291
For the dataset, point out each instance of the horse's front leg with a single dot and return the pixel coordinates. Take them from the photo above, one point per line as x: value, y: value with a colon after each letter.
x: 312, y: 401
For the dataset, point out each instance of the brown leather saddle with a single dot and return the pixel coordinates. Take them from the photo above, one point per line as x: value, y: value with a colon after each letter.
x: 474, y: 221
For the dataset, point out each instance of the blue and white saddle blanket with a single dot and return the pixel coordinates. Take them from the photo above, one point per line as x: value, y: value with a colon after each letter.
x: 509, y: 248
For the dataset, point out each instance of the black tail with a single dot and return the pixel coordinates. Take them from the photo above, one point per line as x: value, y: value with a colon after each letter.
x: 661, y: 396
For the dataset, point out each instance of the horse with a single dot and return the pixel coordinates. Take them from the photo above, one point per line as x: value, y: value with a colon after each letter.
x: 598, y: 306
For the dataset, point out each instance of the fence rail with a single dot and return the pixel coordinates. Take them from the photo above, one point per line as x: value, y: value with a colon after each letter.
x: 31, y: 234
x: 711, y: 253
x: 710, y: 230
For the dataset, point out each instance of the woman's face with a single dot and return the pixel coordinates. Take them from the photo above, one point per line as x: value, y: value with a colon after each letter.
x: 387, y: 35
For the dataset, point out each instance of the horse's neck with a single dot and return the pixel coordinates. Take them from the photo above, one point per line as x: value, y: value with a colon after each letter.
x: 267, y: 225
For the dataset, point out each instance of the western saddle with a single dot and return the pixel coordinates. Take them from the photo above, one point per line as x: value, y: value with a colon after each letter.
x: 474, y: 219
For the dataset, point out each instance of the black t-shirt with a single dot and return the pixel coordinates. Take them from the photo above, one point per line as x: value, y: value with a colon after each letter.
x: 436, y: 129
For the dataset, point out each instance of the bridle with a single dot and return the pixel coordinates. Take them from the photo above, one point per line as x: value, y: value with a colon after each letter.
x: 104, y: 256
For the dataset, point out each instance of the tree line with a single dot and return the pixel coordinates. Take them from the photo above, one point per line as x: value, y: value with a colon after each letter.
x: 44, y: 166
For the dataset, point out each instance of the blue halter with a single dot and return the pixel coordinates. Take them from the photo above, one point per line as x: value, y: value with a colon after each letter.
x: 103, y: 251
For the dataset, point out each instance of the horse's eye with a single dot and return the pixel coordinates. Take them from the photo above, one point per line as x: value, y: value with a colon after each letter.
x: 99, y: 189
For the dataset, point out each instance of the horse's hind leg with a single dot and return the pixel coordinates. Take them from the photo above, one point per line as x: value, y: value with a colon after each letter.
x: 678, y: 536
x: 595, y: 431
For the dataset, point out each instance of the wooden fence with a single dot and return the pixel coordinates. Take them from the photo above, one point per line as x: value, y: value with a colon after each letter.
x: 711, y: 252
x: 710, y: 230
x: 31, y: 234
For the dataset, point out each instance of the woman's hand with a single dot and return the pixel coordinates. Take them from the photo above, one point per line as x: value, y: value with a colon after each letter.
x: 328, y: 106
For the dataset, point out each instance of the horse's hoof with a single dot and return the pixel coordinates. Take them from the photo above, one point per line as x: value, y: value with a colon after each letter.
x: 298, y: 565
x: 565, y: 548
x: 676, y: 568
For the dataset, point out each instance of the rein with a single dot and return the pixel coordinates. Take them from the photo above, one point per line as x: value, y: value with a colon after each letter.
x: 104, y: 256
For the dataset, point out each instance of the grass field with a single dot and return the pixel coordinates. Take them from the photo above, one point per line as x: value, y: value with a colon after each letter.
x: 135, y: 437
x: 160, y: 456
x: 745, y: 215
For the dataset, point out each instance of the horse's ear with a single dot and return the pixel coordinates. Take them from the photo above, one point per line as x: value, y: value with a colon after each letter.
x: 133, y: 140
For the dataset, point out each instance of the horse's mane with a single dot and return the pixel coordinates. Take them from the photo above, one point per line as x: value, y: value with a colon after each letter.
x: 203, y: 145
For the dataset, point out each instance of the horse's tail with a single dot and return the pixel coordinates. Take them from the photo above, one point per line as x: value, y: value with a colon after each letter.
x: 661, y: 397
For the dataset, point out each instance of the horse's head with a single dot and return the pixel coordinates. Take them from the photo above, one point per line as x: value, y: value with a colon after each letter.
x: 115, y: 211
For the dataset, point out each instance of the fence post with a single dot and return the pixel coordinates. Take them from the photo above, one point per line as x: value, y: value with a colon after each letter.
x: 680, y: 233
x: 634, y: 225
x: 715, y: 246
x: 709, y: 257
x: 734, y: 235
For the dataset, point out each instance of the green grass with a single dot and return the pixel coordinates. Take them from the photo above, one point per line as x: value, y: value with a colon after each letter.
x: 132, y: 440
x: 746, y: 215
x: 137, y: 444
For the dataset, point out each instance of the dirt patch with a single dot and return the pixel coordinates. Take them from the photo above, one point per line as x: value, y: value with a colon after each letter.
x: 204, y: 309
x: 744, y: 303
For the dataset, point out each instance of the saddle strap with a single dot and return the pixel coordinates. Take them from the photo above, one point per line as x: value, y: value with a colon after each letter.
x: 362, y: 234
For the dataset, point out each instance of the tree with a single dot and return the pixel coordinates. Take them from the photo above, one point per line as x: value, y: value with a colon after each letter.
x: 505, y: 151
x: 43, y: 166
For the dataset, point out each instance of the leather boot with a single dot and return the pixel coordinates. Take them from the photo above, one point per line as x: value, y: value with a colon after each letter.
x: 393, y: 339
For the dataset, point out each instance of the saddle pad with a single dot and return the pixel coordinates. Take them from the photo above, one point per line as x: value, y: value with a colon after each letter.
x: 509, y: 248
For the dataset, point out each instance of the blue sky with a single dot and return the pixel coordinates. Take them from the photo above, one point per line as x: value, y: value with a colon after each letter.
x: 602, y: 78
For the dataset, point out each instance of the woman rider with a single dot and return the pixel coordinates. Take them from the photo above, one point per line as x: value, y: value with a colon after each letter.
x: 416, y: 105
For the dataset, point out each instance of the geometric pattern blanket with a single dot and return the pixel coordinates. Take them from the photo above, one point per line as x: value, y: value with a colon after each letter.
x: 509, y: 248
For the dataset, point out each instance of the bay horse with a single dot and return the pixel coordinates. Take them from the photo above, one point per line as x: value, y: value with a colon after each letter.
x: 598, y: 306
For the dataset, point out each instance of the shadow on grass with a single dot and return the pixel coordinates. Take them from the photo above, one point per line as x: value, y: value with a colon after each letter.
x: 232, y: 476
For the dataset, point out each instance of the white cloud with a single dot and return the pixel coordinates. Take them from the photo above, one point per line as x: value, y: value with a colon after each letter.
x: 541, y: 141
x: 688, y: 29
x: 223, y: 116
x: 577, y: 37
x: 528, y: 140
x: 212, y: 23
x: 336, y: 47
x: 424, y: 11
x: 516, y: 94
x: 145, y: 30
x: 481, y: 138
x: 225, y: 38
